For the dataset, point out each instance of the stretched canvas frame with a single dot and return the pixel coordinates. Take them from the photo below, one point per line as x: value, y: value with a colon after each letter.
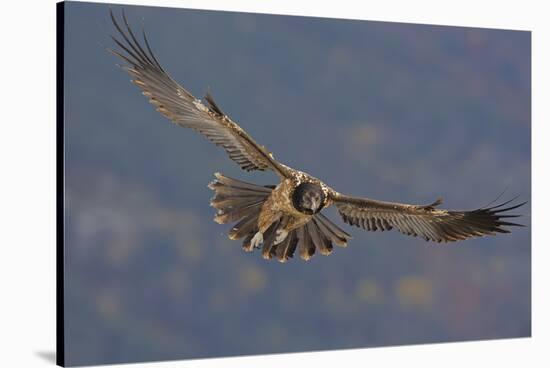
x: 414, y: 293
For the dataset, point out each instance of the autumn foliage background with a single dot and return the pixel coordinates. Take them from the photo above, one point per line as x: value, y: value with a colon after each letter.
x: 391, y: 111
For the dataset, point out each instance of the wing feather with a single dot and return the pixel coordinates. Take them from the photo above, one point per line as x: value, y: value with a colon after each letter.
x: 426, y: 221
x: 178, y: 105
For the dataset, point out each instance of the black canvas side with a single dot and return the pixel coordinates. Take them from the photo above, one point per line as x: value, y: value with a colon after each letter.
x: 60, y: 256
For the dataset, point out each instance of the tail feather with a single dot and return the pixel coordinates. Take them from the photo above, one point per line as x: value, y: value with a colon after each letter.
x: 306, y: 246
x: 331, y: 231
x: 247, y: 225
x: 321, y: 242
x: 286, y: 249
x: 269, y: 246
x: 247, y: 246
x: 237, y: 201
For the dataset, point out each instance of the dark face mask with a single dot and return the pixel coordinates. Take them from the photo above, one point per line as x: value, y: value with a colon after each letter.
x: 308, y: 198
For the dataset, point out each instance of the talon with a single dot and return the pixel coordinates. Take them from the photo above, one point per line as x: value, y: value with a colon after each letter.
x: 280, y: 236
x: 257, y: 240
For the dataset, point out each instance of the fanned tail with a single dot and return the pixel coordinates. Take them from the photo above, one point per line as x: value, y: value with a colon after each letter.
x: 319, y: 234
x: 241, y: 202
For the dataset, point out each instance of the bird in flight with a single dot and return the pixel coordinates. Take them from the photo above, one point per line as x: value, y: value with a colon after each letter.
x: 278, y: 219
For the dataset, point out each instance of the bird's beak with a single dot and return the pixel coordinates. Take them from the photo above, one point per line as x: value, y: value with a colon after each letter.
x: 315, y: 205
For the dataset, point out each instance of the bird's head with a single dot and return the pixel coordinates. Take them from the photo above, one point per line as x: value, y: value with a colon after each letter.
x: 308, y: 198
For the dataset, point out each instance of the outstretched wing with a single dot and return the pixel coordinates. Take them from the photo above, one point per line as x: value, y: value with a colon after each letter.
x: 424, y: 220
x: 181, y: 107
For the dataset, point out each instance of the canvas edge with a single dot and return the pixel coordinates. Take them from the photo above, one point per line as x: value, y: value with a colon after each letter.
x: 60, y: 184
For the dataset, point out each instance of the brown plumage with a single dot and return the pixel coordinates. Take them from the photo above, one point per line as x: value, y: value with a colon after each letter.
x: 236, y: 200
x: 425, y: 221
x: 285, y: 218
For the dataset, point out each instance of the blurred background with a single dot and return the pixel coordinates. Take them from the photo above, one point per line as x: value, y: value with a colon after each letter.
x: 392, y: 111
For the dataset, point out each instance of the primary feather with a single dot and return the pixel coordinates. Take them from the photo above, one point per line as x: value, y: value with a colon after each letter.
x: 181, y: 107
x: 424, y: 220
